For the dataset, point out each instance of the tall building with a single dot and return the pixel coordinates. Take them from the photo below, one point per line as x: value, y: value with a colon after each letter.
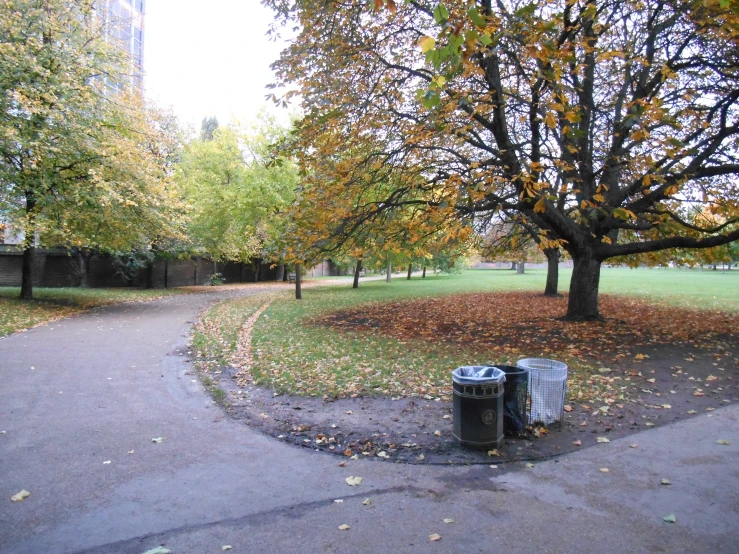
x: 125, y: 20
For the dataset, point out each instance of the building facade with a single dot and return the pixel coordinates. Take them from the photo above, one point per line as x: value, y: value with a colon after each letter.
x: 125, y: 23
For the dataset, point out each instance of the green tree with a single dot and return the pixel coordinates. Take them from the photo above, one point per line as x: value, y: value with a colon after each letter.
x: 207, y: 127
x: 237, y: 192
x: 74, y: 167
x: 601, y: 121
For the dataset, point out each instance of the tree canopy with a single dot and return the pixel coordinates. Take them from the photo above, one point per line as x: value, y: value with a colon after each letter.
x: 606, y: 123
x: 82, y: 163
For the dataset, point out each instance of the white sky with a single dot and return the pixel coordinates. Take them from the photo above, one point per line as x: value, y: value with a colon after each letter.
x: 208, y: 58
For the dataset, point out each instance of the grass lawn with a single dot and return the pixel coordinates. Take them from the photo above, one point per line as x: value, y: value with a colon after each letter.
x: 294, y: 355
x: 50, y: 304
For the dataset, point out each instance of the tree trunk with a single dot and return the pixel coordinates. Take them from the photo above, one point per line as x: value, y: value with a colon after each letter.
x: 257, y: 269
x: 513, y: 265
x: 196, y: 272
x: 583, y: 301
x: 166, y: 273
x: 410, y: 270
x: 84, y: 258
x: 357, y: 269
x: 29, y: 255
x: 519, y: 268
x: 552, y: 255
x: 389, y: 272
x: 29, y: 252
x: 423, y: 275
x: 280, y: 272
x: 298, y: 292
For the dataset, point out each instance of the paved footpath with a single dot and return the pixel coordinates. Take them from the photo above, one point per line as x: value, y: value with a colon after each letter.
x: 82, y: 398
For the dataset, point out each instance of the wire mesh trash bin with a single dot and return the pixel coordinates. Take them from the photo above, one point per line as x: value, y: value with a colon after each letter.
x: 515, y: 400
x: 478, y: 406
x: 547, y: 387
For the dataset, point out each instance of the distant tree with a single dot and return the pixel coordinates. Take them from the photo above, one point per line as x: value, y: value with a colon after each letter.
x: 208, y: 127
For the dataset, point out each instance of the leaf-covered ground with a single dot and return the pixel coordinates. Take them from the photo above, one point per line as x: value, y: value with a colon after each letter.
x: 368, y: 370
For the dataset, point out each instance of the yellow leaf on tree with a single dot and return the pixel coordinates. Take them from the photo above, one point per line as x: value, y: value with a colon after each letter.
x: 550, y: 120
x: 540, y: 206
x: 426, y: 43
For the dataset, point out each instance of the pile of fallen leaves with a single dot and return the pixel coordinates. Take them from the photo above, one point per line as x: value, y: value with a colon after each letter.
x: 521, y: 322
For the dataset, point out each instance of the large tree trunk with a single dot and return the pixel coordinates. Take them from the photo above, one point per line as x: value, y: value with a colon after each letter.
x: 552, y: 255
x: 84, y: 259
x: 357, y: 269
x: 29, y: 255
x: 410, y: 270
x: 298, y: 292
x: 280, y: 272
x: 29, y: 252
x: 166, y: 272
x: 519, y: 268
x: 583, y: 301
x: 423, y: 275
x: 389, y: 272
x: 257, y: 269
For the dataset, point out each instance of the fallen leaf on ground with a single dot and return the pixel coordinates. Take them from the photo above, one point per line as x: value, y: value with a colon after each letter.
x: 634, y: 445
x: 447, y: 416
x: 691, y: 412
x: 367, y: 501
x: 493, y: 466
x: 226, y: 547
x: 529, y: 465
x: 665, y: 482
x: 19, y: 497
x: 604, y: 470
x: 344, y: 527
x: 347, y: 452
x: 106, y: 462
x: 435, y: 537
x: 568, y: 408
x: 158, y: 550
x: 437, y: 433
x: 583, y: 424
x: 353, y: 481
x: 723, y: 442
x: 339, y: 500
x: 130, y: 451
x: 603, y: 439
x: 493, y: 452
x: 420, y: 457
x: 649, y: 424
x: 342, y: 464
x: 670, y: 518
x: 577, y: 443
x: 382, y: 454
x: 157, y: 440
x: 448, y: 520
x: 666, y: 406
x: 651, y: 380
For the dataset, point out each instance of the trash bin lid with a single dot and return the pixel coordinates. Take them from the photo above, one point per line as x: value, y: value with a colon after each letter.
x: 478, y: 375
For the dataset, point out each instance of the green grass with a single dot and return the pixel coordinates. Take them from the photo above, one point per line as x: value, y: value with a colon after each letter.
x: 50, y: 304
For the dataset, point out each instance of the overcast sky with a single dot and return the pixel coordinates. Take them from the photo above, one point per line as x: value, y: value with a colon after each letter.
x: 208, y: 58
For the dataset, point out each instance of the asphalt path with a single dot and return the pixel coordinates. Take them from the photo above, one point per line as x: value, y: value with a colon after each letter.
x: 82, y: 398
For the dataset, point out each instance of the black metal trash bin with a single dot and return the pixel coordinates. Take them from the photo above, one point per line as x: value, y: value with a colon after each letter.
x: 515, y: 400
x: 478, y: 406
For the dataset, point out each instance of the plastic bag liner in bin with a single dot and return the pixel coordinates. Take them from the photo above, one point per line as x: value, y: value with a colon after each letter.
x: 515, y: 400
x: 547, y: 386
x: 478, y: 375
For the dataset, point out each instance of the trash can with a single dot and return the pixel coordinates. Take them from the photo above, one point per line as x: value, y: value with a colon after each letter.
x: 478, y: 406
x: 515, y: 400
x: 547, y: 387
